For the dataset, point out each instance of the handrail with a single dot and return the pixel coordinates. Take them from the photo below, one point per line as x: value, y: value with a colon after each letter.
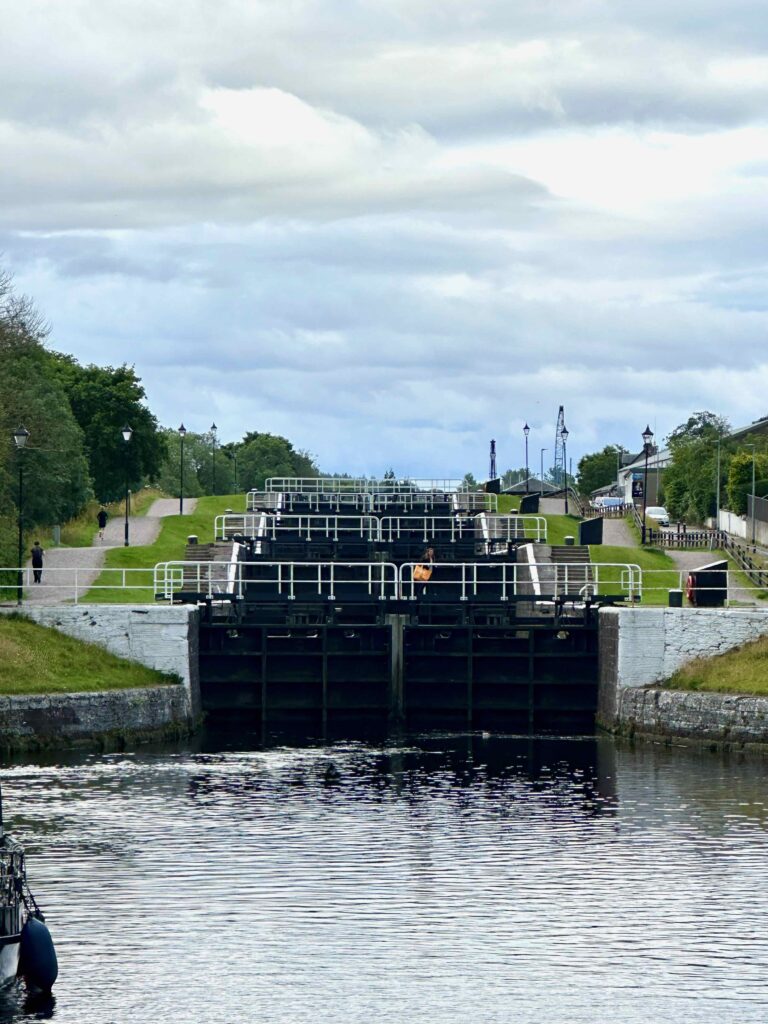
x: 265, y: 526
x: 385, y: 581
x: 360, y: 485
x: 490, y: 528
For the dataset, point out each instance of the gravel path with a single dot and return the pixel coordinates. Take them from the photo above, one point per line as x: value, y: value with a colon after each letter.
x: 70, y: 571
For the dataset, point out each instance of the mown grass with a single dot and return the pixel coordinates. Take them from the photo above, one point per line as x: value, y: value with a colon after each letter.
x: 664, y: 576
x: 742, y: 670
x: 168, y: 547
x: 34, y: 659
x: 560, y: 527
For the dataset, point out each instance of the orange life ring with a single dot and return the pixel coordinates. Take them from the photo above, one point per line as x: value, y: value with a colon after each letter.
x: 690, y: 587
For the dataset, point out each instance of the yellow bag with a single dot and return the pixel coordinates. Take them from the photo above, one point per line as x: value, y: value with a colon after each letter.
x: 422, y: 573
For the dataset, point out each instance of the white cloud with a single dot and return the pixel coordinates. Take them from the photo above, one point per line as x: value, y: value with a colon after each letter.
x: 392, y: 231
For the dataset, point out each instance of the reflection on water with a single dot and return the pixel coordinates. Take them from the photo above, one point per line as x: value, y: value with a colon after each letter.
x: 446, y: 878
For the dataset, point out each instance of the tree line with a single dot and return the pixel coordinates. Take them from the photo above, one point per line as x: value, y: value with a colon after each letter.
x: 703, y: 454
x: 75, y: 450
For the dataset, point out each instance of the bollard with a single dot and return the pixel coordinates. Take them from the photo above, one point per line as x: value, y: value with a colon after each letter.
x: 192, y: 538
x: 570, y: 541
x: 675, y: 599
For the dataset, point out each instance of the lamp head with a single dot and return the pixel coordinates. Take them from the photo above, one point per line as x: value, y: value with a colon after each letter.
x: 182, y: 431
x: 526, y: 430
x: 647, y: 435
x: 20, y: 436
x: 127, y: 432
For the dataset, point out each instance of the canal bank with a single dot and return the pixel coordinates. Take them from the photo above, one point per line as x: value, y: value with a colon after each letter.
x: 535, y: 675
x: 641, y: 648
x: 162, y: 638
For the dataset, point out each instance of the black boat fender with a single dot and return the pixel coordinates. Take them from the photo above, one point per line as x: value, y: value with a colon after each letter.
x: 37, y: 957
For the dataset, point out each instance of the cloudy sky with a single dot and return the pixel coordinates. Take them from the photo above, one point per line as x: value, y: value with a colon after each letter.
x: 394, y: 229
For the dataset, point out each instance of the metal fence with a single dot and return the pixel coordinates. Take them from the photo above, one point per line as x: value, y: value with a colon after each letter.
x: 489, y: 528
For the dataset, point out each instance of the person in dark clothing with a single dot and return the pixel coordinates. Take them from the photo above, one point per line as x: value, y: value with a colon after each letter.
x: 102, y: 521
x: 37, y: 562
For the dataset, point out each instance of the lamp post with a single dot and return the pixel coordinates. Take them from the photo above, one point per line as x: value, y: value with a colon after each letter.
x: 541, y: 481
x: 717, y: 489
x: 753, y: 491
x: 20, y: 436
x: 647, y: 438
x: 526, y: 431
x: 182, y: 435
x: 127, y: 433
x: 564, y: 435
x: 234, y: 460
x: 213, y: 458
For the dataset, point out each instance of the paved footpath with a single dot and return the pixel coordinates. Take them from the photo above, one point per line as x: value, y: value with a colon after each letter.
x: 71, y: 571
x: 687, y: 561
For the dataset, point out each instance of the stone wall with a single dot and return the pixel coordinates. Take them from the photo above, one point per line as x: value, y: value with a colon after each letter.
x: 640, y: 647
x: 163, y: 637
x: 107, y: 717
x: 722, y: 718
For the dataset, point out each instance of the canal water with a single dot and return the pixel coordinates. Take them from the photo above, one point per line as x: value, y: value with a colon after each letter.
x: 441, y: 878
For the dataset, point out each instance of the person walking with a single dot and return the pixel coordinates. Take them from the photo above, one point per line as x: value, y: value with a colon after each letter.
x: 102, y: 518
x: 37, y: 562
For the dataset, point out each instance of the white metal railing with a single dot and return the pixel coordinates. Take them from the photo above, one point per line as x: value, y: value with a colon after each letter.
x: 450, y: 581
x: 287, y: 580
x: 256, y: 501
x: 497, y: 528
x: 263, y: 526
x: 465, y: 581
x: 487, y: 528
x: 360, y: 485
x: 475, y: 501
x: 71, y: 583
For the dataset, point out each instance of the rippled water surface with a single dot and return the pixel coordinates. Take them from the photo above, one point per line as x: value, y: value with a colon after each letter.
x: 432, y: 879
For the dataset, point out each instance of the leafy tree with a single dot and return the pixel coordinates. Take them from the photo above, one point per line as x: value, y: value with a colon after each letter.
x: 469, y: 482
x: 56, y: 480
x: 690, y: 482
x: 264, y: 455
x: 598, y: 469
x: 740, y: 475
x: 103, y: 400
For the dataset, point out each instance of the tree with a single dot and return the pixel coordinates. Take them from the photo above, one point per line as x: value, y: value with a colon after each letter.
x: 599, y: 469
x: 103, y: 400
x: 469, y: 482
x: 690, y: 481
x: 740, y: 475
x: 267, y: 455
x: 56, y: 480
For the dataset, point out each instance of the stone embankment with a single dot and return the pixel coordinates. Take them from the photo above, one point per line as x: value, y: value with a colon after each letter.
x: 641, y: 647
x: 163, y: 638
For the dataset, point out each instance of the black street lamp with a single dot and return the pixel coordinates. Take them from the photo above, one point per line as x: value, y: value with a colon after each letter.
x: 526, y: 431
x: 564, y: 435
x: 213, y: 458
x: 127, y: 433
x: 182, y: 435
x: 20, y: 436
x: 647, y: 438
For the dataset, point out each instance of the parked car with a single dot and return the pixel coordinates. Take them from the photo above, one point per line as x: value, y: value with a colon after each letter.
x: 658, y: 513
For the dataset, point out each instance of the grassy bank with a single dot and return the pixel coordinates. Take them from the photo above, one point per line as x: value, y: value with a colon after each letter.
x: 168, y: 547
x: 663, y: 574
x: 742, y: 670
x: 34, y: 659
